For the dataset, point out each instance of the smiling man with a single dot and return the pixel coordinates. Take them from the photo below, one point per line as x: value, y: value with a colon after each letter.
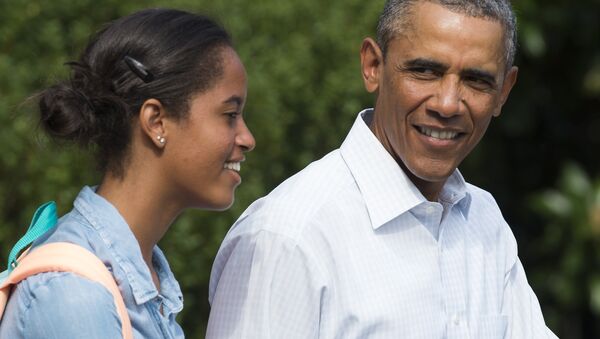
x: 383, y: 238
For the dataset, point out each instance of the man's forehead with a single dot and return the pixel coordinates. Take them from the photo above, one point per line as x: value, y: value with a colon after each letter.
x: 451, y: 39
x: 411, y: 19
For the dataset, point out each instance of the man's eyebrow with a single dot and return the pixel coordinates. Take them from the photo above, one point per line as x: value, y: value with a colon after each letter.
x: 425, y: 63
x: 479, y: 74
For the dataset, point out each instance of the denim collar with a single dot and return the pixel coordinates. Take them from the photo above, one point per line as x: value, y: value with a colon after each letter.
x: 123, y: 245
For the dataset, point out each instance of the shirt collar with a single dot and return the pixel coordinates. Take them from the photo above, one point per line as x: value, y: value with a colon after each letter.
x: 121, y: 242
x: 386, y: 189
x: 455, y: 193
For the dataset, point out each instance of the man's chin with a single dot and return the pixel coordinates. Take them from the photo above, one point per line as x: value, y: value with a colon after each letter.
x: 430, y: 180
x: 432, y: 172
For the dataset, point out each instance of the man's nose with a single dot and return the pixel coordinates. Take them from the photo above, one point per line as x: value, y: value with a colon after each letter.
x: 447, y: 101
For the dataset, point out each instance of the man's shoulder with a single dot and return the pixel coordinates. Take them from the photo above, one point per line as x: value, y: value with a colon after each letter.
x: 481, y: 197
x: 484, y: 210
x: 486, y: 219
x: 301, y: 200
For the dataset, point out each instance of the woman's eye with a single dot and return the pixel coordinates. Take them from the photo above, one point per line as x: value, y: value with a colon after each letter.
x: 232, y: 115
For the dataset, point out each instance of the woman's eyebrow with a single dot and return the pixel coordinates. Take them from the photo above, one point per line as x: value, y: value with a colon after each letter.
x: 234, y: 99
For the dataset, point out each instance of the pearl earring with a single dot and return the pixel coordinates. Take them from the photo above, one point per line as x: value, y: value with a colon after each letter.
x: 161, y: 139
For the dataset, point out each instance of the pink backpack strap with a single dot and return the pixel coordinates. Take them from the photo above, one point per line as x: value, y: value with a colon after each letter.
x: 66, y: 257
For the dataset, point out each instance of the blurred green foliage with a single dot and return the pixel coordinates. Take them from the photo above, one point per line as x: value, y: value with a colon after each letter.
x: 304, y: 92
x: 570, y: 277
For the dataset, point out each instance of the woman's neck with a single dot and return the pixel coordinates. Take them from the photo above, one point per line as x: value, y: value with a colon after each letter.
x: 145, y: 207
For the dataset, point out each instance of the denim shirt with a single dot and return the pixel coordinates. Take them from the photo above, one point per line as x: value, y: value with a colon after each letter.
x: 64, y: 305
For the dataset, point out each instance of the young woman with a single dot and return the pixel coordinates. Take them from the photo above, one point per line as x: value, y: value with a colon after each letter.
x: 159, y: 96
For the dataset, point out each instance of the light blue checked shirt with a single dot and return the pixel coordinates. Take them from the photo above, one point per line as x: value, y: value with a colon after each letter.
x: 349, y: 248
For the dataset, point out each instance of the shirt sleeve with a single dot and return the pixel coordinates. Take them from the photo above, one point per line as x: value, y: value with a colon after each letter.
x: 522, y: 306
x: 64, y: 305
x: 265, y: 285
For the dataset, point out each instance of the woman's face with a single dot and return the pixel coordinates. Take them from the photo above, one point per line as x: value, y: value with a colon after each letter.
x: 205, y: 150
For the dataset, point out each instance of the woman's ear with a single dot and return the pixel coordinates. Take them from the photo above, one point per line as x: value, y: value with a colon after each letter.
x: 152, y: 122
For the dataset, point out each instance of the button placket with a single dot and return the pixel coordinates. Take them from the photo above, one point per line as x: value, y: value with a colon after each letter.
x: 456, y: 320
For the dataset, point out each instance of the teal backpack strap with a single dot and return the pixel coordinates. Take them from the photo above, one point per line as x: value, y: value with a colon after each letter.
x: 43, y: 220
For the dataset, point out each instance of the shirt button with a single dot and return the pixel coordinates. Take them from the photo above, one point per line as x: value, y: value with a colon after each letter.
x: 455, y: 320
x: 430, y: 209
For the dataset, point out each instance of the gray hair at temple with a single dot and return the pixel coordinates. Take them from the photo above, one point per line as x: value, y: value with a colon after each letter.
x: 396, y: 16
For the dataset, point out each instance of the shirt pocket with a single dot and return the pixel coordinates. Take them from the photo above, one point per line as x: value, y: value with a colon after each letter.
x: 490, y: 326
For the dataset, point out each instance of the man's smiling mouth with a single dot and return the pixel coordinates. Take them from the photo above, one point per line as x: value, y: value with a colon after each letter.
x: 438, y: 134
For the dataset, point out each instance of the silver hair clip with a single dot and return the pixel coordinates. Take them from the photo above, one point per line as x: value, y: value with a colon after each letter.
x: 139, y: 69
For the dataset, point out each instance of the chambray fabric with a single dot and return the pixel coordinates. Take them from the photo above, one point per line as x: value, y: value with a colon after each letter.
x: 64, y: 305
x: 349, y: 248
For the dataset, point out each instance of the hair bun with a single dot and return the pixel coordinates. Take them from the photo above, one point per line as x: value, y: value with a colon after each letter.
x: 66, y: 113
x: 77, y: 110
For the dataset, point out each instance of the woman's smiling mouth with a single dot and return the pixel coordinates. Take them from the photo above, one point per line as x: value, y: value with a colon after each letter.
x: 235, y: 166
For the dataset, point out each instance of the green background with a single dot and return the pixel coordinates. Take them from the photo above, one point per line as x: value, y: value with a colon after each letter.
x: 540, y: 159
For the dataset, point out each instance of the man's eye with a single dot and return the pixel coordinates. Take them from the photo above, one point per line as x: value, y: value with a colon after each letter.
x: 425, y: 72
x: 232, y: 115
x: 479, y: 83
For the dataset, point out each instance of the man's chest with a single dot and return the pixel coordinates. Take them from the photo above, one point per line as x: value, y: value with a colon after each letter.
x: 399, y: 280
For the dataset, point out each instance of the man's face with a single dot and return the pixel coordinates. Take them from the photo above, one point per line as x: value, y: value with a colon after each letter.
x: 442, y: 80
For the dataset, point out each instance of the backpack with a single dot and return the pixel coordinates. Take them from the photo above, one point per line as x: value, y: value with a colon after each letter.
x: 57, y: 257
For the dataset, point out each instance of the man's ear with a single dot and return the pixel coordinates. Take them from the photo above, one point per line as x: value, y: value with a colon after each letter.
x: 371, y: 62
x: 152, y: 122
x: 509, y: 81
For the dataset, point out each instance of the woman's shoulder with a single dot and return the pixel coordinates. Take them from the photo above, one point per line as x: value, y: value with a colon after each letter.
x: 61, y: 304
x: 72, y: 228
x: 61, y: 290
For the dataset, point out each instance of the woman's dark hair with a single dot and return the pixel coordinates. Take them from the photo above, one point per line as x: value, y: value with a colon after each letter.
x: 95, y: 107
